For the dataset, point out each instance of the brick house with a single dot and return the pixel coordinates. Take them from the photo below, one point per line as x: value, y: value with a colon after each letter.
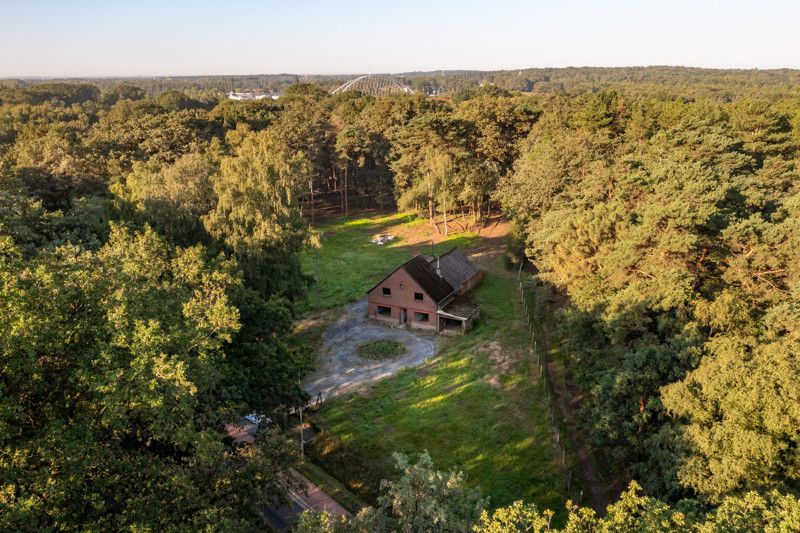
x: 428, y: 293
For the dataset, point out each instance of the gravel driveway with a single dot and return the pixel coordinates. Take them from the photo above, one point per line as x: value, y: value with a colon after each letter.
x: 342, y: 369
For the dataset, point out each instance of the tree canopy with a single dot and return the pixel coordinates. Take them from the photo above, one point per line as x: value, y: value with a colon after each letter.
x: 150, y: 233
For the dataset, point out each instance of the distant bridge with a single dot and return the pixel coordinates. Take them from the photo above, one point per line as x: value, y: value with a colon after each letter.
x: 374, y: 84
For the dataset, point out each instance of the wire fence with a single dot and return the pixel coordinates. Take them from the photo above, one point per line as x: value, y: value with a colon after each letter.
x: 533, y: 309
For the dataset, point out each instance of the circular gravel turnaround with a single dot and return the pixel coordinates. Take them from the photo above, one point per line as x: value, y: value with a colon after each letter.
x: 342, y: 369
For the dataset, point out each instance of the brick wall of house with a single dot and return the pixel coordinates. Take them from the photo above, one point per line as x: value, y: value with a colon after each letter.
x: 402, y: 288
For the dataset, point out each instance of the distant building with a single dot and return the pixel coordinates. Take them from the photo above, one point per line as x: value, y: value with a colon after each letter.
x: 251, y: 95
x: 428, y: 293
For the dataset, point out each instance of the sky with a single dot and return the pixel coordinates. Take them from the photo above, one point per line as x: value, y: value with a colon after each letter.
x: 98, y: 38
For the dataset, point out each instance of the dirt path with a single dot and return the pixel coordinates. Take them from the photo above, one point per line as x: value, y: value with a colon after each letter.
x: 343, y: 370
x: 603, y: 487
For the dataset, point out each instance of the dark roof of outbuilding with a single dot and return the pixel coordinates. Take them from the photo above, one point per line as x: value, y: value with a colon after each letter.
x: 455, y: 267
x: 423, y: 273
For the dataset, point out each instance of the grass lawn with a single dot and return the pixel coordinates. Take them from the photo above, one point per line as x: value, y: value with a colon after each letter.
x: 478, y: 407
x: 383, y: 349
x: 348, y: 264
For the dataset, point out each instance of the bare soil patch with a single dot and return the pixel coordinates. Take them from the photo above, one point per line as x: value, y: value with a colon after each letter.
x: 312, y: 320
x: 422, y: 232
x: 493, y: 380
x: 501, y: 360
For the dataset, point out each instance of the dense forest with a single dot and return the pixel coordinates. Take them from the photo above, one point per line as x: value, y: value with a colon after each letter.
x: 149, y: 242
x: 673, y: 82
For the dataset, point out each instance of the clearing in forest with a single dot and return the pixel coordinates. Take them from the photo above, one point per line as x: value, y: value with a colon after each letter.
x: 476, y: 407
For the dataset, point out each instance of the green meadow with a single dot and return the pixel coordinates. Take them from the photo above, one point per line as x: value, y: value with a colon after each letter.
x: 477, y: 407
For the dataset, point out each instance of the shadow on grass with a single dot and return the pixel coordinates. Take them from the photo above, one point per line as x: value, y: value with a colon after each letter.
x: 458, y: 418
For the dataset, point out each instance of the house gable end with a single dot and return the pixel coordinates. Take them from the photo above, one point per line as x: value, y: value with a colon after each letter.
x: 399, y: 277
x: 418, y: 269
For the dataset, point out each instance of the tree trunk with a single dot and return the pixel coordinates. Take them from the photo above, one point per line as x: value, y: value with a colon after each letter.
x: 345, y: 191
x: 430, y: 215
x: 445, y: 220
x: 341, y: 195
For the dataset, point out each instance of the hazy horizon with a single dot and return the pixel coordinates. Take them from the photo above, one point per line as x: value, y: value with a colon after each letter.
x: 91, y: 39
x: 346, y: 74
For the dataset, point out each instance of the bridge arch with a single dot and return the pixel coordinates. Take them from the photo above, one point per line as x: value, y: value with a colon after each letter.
x: 374, y: 84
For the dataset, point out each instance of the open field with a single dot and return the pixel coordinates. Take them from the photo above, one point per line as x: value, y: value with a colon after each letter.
x: 477, y: 407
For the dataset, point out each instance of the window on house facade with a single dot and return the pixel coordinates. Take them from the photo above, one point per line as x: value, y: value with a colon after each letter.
x: 421, y: 317
x: 384, y: 311
x: 387, y: 291
x: 418, y: 296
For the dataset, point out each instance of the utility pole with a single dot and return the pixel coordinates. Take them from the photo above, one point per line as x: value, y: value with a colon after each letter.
x: 302, y: 439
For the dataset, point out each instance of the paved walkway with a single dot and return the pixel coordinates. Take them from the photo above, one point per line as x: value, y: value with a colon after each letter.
x: 309, y: 496
x: 314, y: 498
x: 343, y: 370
